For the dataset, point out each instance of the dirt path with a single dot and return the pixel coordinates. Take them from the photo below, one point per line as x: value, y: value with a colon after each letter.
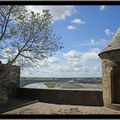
x: 45, y: 108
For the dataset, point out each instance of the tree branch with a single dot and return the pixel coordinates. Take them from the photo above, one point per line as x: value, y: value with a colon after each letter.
x: 4, y: 27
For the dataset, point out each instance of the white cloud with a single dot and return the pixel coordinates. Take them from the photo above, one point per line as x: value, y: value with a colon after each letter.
x: 73, y: 59
x: 58, y: 12
x: 73, y: 65
x: 69, y: 64
x: 108, y: 32
x: 71, y: 27
x: 90, y: 55
x: 78, y: 21
x: 102, y: 7
x: 92, y: 42
x: 53, y: 60
x: 7, y: 54
x: 72, y: 54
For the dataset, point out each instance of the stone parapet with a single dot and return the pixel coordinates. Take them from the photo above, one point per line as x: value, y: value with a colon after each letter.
x: 63, y: 96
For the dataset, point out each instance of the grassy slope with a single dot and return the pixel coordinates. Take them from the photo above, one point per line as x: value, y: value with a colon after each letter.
x: 50, y: 85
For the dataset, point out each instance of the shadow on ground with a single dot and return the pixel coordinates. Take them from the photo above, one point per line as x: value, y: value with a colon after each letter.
x: 16, y: 103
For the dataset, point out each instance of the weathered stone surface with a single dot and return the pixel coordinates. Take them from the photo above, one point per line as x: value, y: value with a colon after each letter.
x: 110, y: 82
x: 9, y: 81
x: 106, y: 81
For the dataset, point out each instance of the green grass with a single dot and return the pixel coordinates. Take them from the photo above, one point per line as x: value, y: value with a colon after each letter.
x: 50, y: 85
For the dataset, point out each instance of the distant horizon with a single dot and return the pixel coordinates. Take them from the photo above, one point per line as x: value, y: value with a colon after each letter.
x: 60, y: 77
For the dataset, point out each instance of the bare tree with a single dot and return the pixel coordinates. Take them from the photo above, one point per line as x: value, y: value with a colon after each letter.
x: 32, y: 39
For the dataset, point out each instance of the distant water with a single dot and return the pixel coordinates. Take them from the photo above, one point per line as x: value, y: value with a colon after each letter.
x: 62, y: 82
x: 26, y: 81
x: 65, y: 85
x: 61, y: 79
x: 35, y: 85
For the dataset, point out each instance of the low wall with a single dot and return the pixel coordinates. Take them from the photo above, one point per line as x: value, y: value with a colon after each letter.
x: 9, y: 81
x: 73, y: 97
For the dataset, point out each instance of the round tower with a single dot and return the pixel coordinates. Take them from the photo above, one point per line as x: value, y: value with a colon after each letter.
x: 111, y: 72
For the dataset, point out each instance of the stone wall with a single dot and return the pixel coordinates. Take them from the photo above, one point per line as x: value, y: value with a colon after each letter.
x: 110, y: 82
x: 116, y: 84
x: 63, y: 96
x: 9, y: 81
x: 106, y: 81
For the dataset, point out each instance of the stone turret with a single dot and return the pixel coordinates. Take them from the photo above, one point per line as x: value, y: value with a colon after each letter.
x: 111, y: 72
x: 112, y: 51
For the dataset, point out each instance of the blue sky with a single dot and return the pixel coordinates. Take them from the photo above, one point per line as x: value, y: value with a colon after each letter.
x: 96, y: 22
x: 84, y: 31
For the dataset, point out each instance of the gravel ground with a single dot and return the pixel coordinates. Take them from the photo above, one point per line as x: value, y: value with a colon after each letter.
x: 45, y: 108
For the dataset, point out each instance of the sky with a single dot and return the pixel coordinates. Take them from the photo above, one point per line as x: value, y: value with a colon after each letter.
x: 84, y: 31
